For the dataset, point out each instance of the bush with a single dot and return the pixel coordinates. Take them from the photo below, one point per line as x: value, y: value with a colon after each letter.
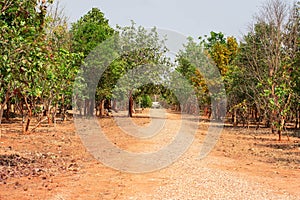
x: 146, y: 101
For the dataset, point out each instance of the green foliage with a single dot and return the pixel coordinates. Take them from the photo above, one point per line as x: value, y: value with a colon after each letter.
x: 89, y: 31
x: 142, y: 59
x: 35, y: 67
x: 189, y: 62
x: 146, y: 101
x: 22, y: 46
x: 87, y: 34
x: 267, y: 58
x: 40, y: 59
x: 223, y: 51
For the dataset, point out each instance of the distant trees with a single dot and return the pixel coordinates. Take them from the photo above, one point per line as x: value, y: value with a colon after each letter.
x: 143, y: 58
x: 206, y: 65
x: 112, y: 56
x: 223, y: 52
x: 189, y: 60
x: 261, y: 74
x: 135, y: 47
x: 41, y: 57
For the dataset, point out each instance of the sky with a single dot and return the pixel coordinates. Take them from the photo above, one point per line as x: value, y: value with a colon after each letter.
x: 189, y: 17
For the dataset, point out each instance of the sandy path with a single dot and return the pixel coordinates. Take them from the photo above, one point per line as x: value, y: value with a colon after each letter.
x: 187, y: 178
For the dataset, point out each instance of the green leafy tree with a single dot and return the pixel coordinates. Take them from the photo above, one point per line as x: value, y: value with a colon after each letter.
x: 294, y: 54
x: 197, y: 62
x: 87, y: 33
x: 146, y: 101
x: 62, y: 65
x: 223, y: 52
x: 189, y: 60
x: 142, y: 56
x: 266, y: 55
x: 22, y: 53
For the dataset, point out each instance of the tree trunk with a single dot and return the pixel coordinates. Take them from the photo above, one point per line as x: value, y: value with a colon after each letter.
x: 257, y: 118
x: 7, y: 110
x: 178, y: 108
x: 7, y: 96
x: 48, y: 113
x: 28, y: 121
x: 282, y: 124
x: 53, y: 115
x: 189, y: 109
x: 216, y: 111
x: 114, y: 106
x: 91, y: 107
x: 234, y: 117
x: 279, y: 135
x: 101, y: 108
x: 63, y: 109
x: 206, y: 111
x: 130, y: 105
x: 26, y: 128
x: 80, y: 108
x: 268, y: 120
x: 85, y: 107
x: 1, y: 114
x: 297, y: 118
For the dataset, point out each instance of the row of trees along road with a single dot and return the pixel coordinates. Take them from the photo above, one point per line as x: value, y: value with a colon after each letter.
x: 35, y: 67
x: 41, y: 57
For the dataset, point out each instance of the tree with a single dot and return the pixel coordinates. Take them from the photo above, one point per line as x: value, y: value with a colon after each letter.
x: 199, y: 62
x: 189, y: 60
x: 57, y: 30
x: 266, y: 51
x: 222, y: 50
x: 22, y: 41
x: 63, y: 65
x: 37, y: 66
x: 87, y: 33
x: 142, y: 53
x: 107, y: 82
x: 294, y: 54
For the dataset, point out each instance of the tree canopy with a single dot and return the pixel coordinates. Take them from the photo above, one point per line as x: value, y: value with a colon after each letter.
x: 42, y: 61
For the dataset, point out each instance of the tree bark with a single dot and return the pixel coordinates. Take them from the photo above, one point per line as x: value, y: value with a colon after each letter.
x: 85, y: 107
x: 7, y: 96
x: 63, y: 109
x: 130, y: 105
x: 1, y: 114
x: 48, y: 113
x: 234, y: 117
x: 53, y: 115
x: 279, y: 135
x: 101, y: 108
x: 7, y: 110
x: 91, y: 107
x: 28, y: 117
x: 297, y: 118
x: 114, y: 106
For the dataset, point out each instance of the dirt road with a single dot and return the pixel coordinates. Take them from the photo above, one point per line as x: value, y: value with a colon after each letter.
x: 54, y: 164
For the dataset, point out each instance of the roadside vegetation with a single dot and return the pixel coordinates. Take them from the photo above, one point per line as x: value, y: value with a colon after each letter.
x: 41, y: 57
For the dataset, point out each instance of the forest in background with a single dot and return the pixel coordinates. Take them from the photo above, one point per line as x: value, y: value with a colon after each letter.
x: 42, y: 60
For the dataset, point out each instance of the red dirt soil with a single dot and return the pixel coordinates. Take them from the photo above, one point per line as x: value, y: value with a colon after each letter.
x: 52, y: 162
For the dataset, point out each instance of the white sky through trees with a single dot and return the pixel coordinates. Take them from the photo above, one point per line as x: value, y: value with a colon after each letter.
x: 189, y: 17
